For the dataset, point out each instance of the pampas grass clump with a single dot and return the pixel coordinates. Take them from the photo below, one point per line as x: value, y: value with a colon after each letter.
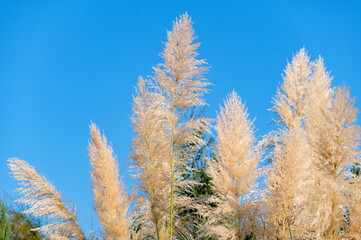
x: 301, y: 181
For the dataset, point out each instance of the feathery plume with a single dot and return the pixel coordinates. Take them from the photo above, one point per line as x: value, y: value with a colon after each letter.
x: 150, y: 161
x: 285, y: 182
x: 111, y: 202
x: 318, y: 99
x: 178, y: 85
x: 335, y: 141
x: 180, y: 80
x: 45, y: 201
x: 180, y: 77
x: 289, y: 100
x: 234, y: 173
x: 290, y: 155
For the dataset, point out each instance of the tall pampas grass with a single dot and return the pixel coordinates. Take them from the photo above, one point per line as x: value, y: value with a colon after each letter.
x: 234, y: 174
x: 179, y: 85
x: 310, y: 191
x: 335, y: 143
x: 180, y: 79
x: 111, y: 202
x: 318, y: 100
x: 285, y: 183
x: 45, y: 201
x: 150, y: 162
x: 290, y: 155
x: 310, y: 182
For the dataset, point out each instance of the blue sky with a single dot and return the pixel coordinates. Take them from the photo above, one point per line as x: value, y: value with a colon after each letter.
x: 66, y: 63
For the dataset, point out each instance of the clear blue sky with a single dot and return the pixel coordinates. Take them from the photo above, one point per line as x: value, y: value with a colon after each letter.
x: 66, y: 63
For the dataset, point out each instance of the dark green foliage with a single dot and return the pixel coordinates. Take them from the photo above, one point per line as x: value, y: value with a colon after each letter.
x: 355, y: 170
x: 4, y: 222
x: 192, y: 220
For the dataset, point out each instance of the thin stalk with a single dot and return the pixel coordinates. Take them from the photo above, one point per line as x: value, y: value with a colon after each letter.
x: 283, y: 227
x: 331, y: 236
x: 289, y: 228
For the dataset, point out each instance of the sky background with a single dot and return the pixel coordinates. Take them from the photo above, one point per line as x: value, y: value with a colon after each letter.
x: 66, y: 63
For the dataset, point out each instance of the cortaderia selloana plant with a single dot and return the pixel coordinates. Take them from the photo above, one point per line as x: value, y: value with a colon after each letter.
x: 335, y: 138
x: 111, y: 202
x: 289, y: 174
x: 234, y: 174
x: 45, y: 201
x: 162, y: 128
